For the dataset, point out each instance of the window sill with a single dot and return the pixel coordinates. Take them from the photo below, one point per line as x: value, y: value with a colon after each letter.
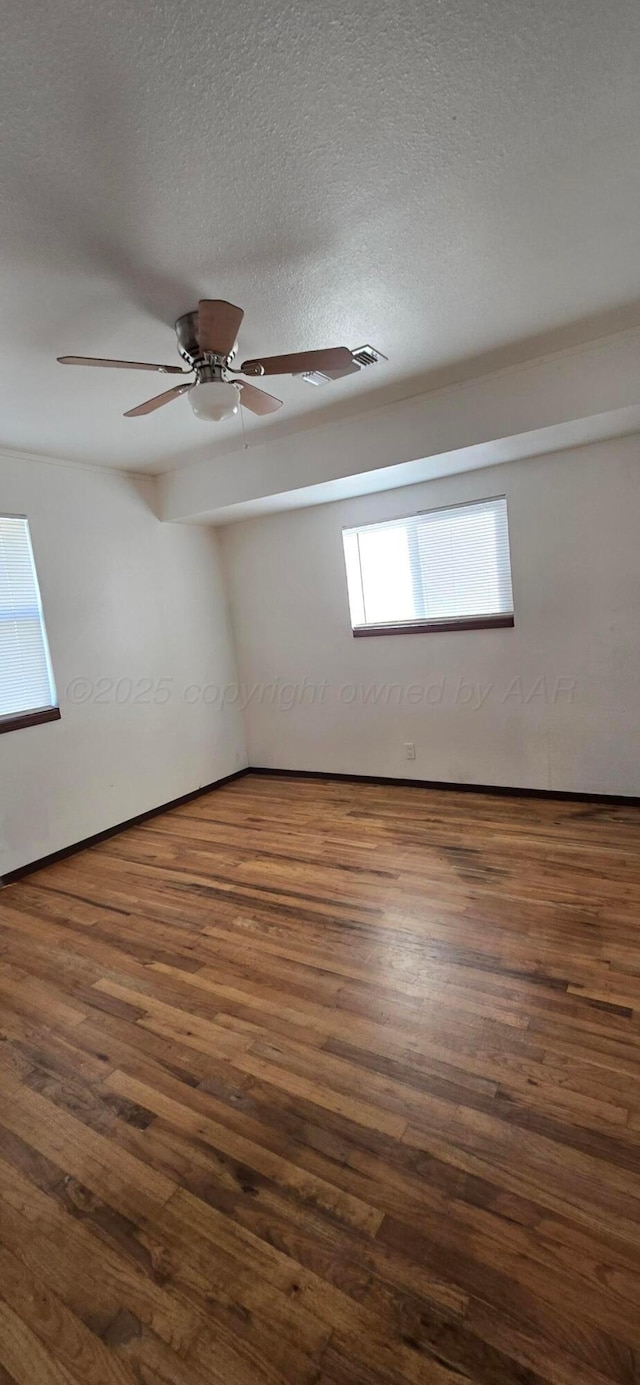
x: 433, y: 627
x: 20, y: 720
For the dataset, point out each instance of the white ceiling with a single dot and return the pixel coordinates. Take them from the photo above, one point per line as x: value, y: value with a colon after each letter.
x: 442, y: 178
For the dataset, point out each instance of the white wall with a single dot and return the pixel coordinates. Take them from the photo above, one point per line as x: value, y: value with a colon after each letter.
x: 129, y: 599
x: 126, y: 599
x: 574, y: 524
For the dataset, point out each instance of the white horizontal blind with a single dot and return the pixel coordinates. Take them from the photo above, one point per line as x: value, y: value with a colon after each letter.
x: 445, y: 565
x: 26, y: 678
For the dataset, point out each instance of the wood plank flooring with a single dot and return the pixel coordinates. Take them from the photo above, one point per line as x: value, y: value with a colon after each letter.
x: 326, y: 1084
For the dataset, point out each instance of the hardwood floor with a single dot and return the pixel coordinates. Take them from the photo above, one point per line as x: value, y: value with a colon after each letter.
x: 325, y: 1082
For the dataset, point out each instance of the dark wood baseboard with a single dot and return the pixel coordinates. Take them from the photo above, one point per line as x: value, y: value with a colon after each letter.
x: 119, y: 827
x: 614, y: 800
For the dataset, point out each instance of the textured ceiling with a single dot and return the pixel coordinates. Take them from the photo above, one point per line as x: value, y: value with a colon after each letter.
x: 439, y: 177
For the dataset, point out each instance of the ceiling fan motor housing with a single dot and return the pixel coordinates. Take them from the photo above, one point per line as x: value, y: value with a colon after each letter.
x: 188, y: 334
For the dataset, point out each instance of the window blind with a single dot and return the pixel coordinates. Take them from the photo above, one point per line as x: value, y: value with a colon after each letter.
x: 443, y: 567
x: 26, y: 678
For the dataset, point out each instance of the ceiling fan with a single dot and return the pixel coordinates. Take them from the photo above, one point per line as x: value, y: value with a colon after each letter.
x: 207, y: 341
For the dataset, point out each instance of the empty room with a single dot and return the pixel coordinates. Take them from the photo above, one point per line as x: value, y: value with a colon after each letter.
x: 319, y: 670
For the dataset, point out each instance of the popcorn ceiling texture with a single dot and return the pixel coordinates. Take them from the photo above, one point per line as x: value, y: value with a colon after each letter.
x: 440, y: 177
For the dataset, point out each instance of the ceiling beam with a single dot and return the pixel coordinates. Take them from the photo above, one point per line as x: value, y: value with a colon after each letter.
x: 581, y: 395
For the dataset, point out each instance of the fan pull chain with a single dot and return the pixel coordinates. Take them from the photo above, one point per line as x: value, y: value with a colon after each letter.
x: 245, y: 445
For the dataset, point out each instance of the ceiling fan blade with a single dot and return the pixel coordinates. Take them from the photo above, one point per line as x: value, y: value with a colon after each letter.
x: 297, y: 362
x: 121, y: 365
x: 218, y: 325
x: 258, y: 401
x: 158, y: 401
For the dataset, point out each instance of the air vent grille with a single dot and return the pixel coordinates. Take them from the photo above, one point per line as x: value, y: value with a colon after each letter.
x: 316, y: 377
x: 367, y: 355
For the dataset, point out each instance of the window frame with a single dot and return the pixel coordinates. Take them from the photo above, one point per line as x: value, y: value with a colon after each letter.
x: 18, y: 721
x: 423, y: 626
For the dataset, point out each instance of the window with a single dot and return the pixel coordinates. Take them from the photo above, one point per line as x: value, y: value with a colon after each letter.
x: 445, y: 569
x: 27, y: 689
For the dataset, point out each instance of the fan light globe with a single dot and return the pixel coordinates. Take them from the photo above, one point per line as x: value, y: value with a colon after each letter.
x: 214, y: 400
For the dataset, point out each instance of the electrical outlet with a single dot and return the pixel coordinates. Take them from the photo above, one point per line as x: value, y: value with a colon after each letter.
x: 409, y: 750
